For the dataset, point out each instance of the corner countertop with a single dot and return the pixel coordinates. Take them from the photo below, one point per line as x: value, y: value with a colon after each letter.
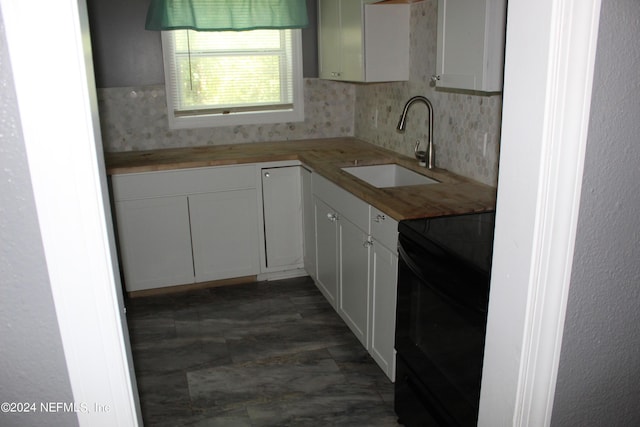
x: 454, y: 194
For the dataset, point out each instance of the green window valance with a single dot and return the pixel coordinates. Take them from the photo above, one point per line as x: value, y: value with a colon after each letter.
x: 226, y: 15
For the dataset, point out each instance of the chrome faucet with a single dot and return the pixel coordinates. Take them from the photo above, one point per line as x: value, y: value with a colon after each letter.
x: 402, y: 124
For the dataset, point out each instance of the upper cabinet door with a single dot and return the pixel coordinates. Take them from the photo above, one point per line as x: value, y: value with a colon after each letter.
x: 351, y: 43
x: 470, y: 47
x: 329, y: 39
x: 363, y: 40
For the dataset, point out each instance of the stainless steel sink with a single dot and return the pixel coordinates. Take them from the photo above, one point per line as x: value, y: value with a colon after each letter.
x: 389, y: 175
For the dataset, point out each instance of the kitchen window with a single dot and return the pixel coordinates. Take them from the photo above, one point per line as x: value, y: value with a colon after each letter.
x: 226, y: 78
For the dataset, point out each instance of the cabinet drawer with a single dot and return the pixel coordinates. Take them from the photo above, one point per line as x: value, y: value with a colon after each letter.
x: 384, y: 229
x: 182, y: 181
x: 348, y: 205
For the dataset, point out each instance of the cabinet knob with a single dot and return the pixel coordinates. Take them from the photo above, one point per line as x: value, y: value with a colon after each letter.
x: 333, y: 217
x: 380, y: 218
x: 267, y: 175
x: 368, y: 243
x: 434, y: 80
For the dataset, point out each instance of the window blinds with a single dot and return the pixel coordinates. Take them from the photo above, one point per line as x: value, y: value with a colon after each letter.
x: 221, y: 73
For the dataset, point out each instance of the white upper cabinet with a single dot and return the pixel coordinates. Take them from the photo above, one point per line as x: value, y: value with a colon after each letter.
x: 363, y: 41
x: 470, y: 48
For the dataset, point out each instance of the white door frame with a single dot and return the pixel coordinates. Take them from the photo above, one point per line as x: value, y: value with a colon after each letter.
x: 549, y: 63
x: 59, y: 120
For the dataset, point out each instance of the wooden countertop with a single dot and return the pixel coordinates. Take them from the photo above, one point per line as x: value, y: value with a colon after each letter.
x: 453, y: 195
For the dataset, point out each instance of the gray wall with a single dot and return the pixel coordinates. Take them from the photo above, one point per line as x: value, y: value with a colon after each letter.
x: 599, y: 372
x: 32, y: 365
x: 125, y: 54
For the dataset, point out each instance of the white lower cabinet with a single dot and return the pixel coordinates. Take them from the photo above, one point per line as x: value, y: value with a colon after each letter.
x: 383, y: 274
x: 155, y: 242
x: 308, y: 223
x: 342, y: 261
x: 326, y: 250
x: 224, y: 234
x: 353, y: 300
x: 185, y: 226
x: 282, y: 209
x: 357, y: 266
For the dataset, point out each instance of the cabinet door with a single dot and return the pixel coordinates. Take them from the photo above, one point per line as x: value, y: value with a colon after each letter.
x: 386, y: 42
x: 352, y: 41
x: 282, y: 204
x: 329, y: 39
x: 309, y: 224
x: 353, y: 300
x: 224, y: 230
x: 470, y: 47
x: 384, y: 270
x: 326, y: 251
x: 155, y: 242
x: 361, y: 43
x: 341, y: 40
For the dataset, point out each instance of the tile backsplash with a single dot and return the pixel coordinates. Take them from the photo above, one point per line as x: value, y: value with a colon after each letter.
x: 135, y: 118
x: 466, y: 125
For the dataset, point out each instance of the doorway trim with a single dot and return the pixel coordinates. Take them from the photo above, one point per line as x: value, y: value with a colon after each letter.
x: 549, y: 62
x: 59, y: 120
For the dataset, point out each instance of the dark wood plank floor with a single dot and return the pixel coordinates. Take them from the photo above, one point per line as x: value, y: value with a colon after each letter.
x: 260, y: 354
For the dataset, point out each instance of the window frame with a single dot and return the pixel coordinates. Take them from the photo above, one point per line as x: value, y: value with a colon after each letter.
x: 258, y: 116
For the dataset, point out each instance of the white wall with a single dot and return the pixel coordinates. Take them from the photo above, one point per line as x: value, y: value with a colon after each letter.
x: 599, y: 373
x: 28, y: 323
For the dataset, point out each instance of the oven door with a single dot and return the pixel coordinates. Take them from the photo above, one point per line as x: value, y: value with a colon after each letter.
x: 440, y: 330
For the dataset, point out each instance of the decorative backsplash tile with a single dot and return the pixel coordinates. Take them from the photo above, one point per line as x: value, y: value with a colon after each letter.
x: 136, y: 118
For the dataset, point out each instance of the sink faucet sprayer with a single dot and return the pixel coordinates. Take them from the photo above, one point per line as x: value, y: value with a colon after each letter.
x: 402, y: 124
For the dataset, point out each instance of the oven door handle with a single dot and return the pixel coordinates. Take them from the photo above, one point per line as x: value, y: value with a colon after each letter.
x: 405, y: 250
